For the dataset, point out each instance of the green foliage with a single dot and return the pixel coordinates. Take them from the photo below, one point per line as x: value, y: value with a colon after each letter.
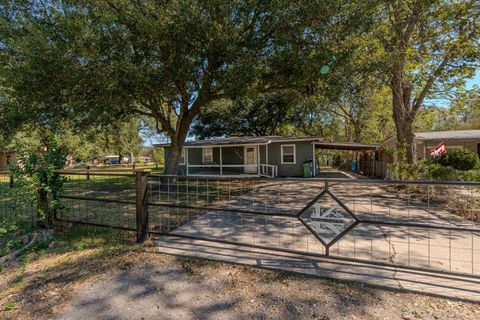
x: 460, y: 159
x: 94, y: 62
x: 260, y: 116
x: 428, y: 169
x: 435, y: 171
x: 36, y: 175
x: 406, y: 171
x: 9, y: 306
x: 471, y: 175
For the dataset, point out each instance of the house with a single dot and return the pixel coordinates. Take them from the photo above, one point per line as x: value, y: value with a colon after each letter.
x: 273, y: 156
x: 6, y: 156
x: 454, y: 139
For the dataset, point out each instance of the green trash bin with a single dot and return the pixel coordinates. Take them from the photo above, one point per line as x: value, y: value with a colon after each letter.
x: 307, y: 169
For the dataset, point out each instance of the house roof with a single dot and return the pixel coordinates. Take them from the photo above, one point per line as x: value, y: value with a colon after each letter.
x: 347, y: 146
x: 453, y: 134
x: 243, y: 141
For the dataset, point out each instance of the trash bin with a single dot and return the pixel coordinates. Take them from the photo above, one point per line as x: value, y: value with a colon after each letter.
x: 307, y: 169
x: 354, y: 165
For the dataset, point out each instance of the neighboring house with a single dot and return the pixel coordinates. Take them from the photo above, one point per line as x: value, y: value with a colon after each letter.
x: 6, y: 156
x: 267, y: 155
x: 455, y: 139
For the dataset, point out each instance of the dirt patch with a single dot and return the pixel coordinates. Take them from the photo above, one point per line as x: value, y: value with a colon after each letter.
x: 127, y: 282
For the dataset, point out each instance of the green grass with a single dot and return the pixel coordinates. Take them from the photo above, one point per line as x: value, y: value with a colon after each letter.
x: 9, y: 306
x: 191, y: 192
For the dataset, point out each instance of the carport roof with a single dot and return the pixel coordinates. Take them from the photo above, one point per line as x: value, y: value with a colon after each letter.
x: 346, y: 146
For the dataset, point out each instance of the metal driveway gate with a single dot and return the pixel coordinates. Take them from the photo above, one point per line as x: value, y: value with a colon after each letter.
x: 431, y: 226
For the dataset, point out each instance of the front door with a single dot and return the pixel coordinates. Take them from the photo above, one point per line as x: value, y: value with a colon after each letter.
x: 250, y: 159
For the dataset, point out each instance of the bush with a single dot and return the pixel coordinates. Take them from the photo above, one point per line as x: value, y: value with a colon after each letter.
x: 436, y: 171
x: 460, y: 159
x: 471, y: 175
x: 405, y: 171
x: 427, y: 170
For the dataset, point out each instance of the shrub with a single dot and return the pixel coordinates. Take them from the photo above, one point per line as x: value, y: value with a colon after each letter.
x: 460, y: 159
x: 436, y: 171
x: 405, y: 171
x: 471, y: 175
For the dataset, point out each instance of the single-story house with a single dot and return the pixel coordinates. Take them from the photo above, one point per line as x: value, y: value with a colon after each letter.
x: 454, y: 139
x: 273, y: 156
x: 6, y: 156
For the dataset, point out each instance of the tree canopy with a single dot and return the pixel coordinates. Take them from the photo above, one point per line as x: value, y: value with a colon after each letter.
x: 290, y: 67
x: 165, y: 60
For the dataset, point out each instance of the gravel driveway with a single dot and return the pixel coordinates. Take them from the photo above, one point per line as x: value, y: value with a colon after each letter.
x: 197, y: 289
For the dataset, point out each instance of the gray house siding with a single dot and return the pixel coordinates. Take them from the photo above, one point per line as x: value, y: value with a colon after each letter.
x: 235, y: 155
x: 303, y: 152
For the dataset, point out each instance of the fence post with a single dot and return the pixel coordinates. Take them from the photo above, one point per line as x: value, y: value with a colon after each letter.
x: 11, y: 180
x: 88, y: 172
x: 141, y: 199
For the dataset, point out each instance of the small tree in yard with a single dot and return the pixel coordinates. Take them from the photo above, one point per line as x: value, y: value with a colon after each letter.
x: 36, y: 173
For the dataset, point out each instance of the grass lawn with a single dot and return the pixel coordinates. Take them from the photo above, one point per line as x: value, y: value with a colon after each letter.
x: 181, y: 192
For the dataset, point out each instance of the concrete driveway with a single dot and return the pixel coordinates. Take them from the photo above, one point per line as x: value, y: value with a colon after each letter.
x: 431, y: 248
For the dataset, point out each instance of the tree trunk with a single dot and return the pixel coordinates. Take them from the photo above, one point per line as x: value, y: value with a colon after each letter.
x: 175, y: 150
x: 132, y: 158
x: 357, y: 131
x: 43, y: 208
x: 403, y: 115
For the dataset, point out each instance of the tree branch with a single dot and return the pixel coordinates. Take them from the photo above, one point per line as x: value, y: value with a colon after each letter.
x: 446, y: 59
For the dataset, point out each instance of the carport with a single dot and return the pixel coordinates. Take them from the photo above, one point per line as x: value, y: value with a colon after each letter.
x: 363, y: 155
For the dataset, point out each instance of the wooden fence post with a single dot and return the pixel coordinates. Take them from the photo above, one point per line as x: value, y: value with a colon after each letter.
x: 141, y: 199
x: 88, y: 172
x: 11, y: 180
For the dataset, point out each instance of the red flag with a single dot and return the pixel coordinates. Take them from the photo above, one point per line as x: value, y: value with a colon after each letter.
x: 438, y: 150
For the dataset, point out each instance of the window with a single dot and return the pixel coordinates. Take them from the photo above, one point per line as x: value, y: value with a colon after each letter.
x: 288, y: 154
x: 207, y: 155
x: 182, y: 157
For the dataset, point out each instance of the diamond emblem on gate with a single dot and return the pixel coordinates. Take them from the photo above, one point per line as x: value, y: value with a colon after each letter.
x: 328, y: 218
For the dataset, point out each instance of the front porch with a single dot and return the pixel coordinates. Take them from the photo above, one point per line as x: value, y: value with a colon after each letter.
x: 238, y: 160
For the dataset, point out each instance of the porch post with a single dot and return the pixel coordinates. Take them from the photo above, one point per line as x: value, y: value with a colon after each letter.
x: 258, y: 159
x: 266, y: 154
x: 221, y: 161
x: 186, y: 159
x: 313, y: 160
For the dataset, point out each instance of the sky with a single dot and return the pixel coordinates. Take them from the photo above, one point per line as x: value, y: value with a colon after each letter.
x: 474, y: 81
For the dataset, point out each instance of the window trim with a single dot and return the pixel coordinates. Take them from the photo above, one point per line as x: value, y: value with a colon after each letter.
x: 294, y: 153
x: 182, y: 156
x: 203, y: 154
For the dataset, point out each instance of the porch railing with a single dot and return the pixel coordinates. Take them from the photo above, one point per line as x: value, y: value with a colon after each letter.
x: 267, y: 170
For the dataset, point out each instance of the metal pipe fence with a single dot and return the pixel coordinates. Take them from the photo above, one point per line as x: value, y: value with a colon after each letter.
x: 424, y: 225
